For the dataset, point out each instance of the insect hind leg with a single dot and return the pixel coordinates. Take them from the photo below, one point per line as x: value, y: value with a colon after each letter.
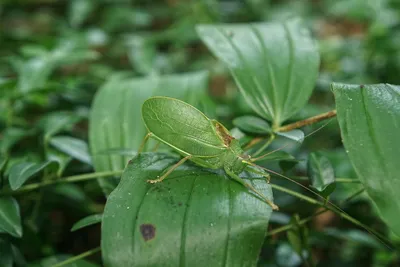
x: 250, y: 187
x: 266, y: 175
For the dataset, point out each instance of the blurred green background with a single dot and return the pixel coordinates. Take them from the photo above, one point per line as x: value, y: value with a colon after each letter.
x: 55, y: 55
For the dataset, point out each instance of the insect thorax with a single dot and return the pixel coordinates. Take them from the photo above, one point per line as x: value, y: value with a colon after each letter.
x: 233, y: 159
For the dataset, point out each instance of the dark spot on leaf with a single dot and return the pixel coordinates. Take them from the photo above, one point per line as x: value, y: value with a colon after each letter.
x: 180, y: 204
x: 361, y: 86
x: 148, y: 231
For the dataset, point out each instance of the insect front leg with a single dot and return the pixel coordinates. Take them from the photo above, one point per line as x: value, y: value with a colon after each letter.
x: 242, y: 182
x: 179, y: 163
x: 146, y: 138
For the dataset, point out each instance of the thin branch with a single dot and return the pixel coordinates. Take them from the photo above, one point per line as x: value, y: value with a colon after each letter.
x: 78, y: 257
x: 342, y: 214
x: 69, y: 179
x: 308, y: 121
x: 338, y: 180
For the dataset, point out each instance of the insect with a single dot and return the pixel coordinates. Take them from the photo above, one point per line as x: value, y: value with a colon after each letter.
x: 204, y: 141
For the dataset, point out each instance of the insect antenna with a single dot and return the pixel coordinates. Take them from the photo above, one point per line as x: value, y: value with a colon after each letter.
x: 278, y: 149
x: 383, y: 240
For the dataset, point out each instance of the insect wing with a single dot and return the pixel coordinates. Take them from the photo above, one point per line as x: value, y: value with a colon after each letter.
x: 182, y: 126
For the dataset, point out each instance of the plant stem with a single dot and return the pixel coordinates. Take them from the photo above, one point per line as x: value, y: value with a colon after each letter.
x: 300, y: 222
x: 78, y: 257
x: 263, y: 147
x: 308, y: 121
x: 342, y: 214
x: 338, y: 180
x: 69, y: 179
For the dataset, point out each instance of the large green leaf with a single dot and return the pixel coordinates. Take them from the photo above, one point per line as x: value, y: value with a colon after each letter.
x: 274, y: 64
x: 369, y: 119
x: 10, y: 220
x: 116, y: 119
x: 195, y: 217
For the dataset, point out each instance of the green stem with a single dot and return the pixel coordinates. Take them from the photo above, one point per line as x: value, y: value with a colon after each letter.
x: 342, y: 214
x: 338, y: 180
x: 263, y: 147
x: 78, y: 257
x: 306, y: 220
x: 69, y: 179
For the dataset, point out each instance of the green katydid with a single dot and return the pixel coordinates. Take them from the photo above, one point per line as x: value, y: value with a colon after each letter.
x: 199, y: 139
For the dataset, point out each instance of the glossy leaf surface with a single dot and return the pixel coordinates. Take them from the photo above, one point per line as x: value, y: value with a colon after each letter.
x: 252, y: 124
x: 74, y: 147
x: 196, y: 217
x: 321, y: 173
x: 274, y: 64
x: 116, y: 119
x: 369, y: 119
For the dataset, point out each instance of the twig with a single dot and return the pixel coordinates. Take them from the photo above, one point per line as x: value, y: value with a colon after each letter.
x: 308, y: 121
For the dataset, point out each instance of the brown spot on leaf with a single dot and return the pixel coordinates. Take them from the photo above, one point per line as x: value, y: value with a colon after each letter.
x: 362, y: 86
x: 148, y: 231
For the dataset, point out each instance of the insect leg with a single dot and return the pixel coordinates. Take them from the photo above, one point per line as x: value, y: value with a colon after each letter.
x: 146, y: 138
x: 266, y: 175
x: 155, y: 148
x: 179, y: 163
x: 242, y: 182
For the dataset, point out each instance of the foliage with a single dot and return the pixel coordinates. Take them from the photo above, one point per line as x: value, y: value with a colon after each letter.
x: 74, y: 75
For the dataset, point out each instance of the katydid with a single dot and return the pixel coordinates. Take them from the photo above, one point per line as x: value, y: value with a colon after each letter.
x: 197, y: 138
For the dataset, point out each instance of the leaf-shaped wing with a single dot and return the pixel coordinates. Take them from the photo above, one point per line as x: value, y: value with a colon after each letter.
x: 182, y: 126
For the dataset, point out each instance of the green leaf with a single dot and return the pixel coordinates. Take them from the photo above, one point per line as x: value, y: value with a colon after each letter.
x: 11, y: 136
x: 6, y: 256
x: 274, y: 64
x: 295, y: 135
x: 142, y: 53
x: 321, y: 173
x: 252, y: 124
x: 10, y: 220
x: 51, y: 261
x: 87, y: 221
x: 3, y: 162
x: 61, y: 158
x: 116, y: 121
x: 58, y: 121
x: 369, y: 119
x: 195, y: 217
x: 74, y: 147
x: 21, y: 172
